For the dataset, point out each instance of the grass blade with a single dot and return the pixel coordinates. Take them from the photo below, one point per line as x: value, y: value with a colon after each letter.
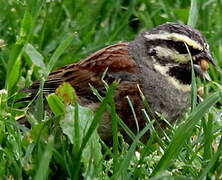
x: 184, y: 131
x: 43, y: 167
x: 35, y: 56
x: 193, y: 14
x: 60, y: 49
x: 212, y: 162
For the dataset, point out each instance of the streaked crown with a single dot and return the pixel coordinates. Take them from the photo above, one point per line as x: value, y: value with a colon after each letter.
x: 170, y: 42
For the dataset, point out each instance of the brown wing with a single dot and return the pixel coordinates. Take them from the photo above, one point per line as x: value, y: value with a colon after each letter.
x: 88, y: 71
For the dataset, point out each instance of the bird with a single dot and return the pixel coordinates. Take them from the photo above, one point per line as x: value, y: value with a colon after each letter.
x: 158, y: 63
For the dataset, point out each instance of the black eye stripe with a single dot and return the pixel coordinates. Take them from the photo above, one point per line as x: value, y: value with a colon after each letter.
x: 177, y: 45
x: 181, y: 47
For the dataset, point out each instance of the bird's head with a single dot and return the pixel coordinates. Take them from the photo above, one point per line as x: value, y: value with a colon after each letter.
x: 172, y: 46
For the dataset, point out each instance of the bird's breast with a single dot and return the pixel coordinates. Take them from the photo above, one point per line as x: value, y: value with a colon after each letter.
x: 162, y: 95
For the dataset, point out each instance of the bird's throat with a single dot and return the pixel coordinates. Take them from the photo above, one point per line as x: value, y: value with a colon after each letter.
x: 178, y: 76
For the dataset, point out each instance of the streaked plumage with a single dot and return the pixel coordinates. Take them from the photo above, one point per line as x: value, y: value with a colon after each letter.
x: 157, y: 61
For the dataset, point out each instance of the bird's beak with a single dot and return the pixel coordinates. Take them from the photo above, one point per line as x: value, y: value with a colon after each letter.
x: 200, y: 72
x: 210, y: 59
x: 202, y: 64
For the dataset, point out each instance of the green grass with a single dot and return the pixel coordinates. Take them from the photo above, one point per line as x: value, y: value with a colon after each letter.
x: 38, y: 36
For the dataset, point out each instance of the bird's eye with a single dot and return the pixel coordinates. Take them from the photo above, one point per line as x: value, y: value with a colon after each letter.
x: 182, y: 49
x: 193, y: 51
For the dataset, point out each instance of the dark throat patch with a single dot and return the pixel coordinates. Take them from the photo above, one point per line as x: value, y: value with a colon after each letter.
x: 182, y: 72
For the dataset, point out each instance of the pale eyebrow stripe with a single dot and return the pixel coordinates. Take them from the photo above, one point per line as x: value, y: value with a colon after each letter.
x: 175, y: 36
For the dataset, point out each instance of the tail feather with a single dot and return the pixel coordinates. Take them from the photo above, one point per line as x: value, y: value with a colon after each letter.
x: 50, y: 86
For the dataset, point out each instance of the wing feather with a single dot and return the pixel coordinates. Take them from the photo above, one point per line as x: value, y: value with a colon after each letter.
x: 89, y: 70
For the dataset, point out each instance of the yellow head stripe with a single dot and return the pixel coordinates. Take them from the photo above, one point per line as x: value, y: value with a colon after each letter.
x: 175, y: 37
